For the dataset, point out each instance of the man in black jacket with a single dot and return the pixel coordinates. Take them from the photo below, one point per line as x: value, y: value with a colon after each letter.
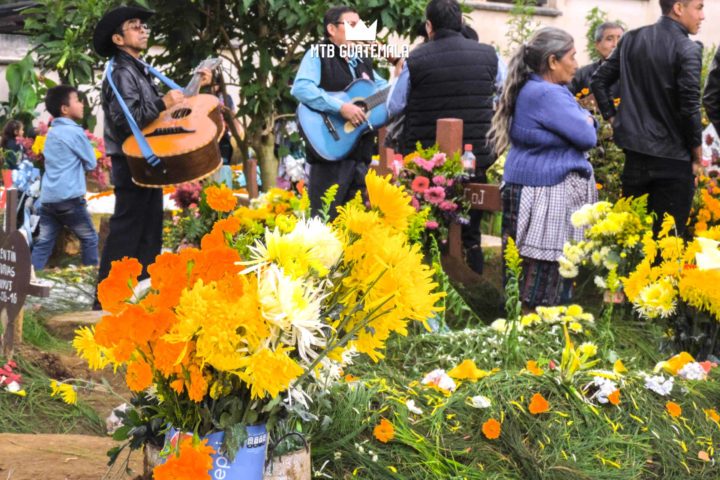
x: 450, y: 76
x: 607, y: 37
x: 712, y: 93
x: 658, y: 121
x: 136, y: 223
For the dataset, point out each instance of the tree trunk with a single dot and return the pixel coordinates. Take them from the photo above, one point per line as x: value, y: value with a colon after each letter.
x: 265, y: 151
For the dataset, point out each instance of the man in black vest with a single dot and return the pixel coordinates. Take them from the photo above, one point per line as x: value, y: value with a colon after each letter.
x: 320, y: 72
x: 449, y: 77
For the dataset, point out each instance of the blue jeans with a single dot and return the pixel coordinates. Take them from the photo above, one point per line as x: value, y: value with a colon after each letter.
x: 70, y: 213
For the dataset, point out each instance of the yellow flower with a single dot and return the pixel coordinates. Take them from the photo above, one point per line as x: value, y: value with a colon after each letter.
x: 667, y: 225
x: 656, y: 300
x: 65, y: 391
x: 392, y: 201
x: 467, y: 370
x: 619, y: 367
x: 270, y: 372
x: 588, y: 349
x: 38, y: 146
x: 675, y: 363
x: 533, y: 368
x: 98, y: 357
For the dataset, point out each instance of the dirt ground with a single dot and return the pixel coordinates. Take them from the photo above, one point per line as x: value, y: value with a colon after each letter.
x: 60, y: 457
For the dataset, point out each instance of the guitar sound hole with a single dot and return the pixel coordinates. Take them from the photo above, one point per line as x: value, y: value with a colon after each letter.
x: 181, y: 113
x: 362, y: 105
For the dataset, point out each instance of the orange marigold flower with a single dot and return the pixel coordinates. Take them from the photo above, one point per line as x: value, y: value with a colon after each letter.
x: 673, y: 409
x: 198, y: 384
x: 533, y: 368
x: 194, y: 462
x: 220, y: 199
x: 178, y: 385
x: 491, y: 429
x: 538, y: 404
x: 614, y: 397
x: 139, y: 376
x: 712, y: 414
x: 384, y: 431
x: 167, y: 355
x: 119, y: 284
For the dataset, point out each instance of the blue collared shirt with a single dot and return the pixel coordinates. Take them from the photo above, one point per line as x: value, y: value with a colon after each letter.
x: 397, y: 99
x: 306, y: 87
x: 68, y: 155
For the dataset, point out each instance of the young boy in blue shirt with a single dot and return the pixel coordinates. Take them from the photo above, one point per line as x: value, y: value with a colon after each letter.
x: 68, y: 155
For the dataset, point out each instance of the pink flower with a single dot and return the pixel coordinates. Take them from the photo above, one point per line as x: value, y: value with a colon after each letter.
x: 435, y: 195
x: 450, y: 183
x: 415, y: 203
x: 420, y: 184
x: 448, y: 206
x: 425, y: 164
x: 439, y: 180
x: 431, y: 225
x: 439, y: 159
x: 396, y: 166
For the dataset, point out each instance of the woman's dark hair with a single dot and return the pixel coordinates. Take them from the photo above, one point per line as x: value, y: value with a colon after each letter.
x: 444, y: 14
x: 532, y: 57
x: 469, y: 33
x: 10, y: 132
x: 332, y: 16
x: 58, y: 96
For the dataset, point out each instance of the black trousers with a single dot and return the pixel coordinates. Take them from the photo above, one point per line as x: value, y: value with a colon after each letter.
x: 136, y: 225
x: 471, y: 235
x: 349, y: 175
x: 669, y: 184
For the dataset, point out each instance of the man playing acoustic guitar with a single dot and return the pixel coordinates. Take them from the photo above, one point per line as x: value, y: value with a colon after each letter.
x: 319, y: 74
x: 136, y: 224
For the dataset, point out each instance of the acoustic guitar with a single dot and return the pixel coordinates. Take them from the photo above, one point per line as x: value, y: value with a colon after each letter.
x: 332, y: 137
x: 184, y: 137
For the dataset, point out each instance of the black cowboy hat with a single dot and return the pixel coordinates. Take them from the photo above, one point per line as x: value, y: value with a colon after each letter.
x: 108, y: 24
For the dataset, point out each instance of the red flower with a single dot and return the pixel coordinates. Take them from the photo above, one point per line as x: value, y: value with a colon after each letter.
x: 420, y: 184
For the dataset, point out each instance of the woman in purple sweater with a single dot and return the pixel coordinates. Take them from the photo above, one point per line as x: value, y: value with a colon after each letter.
x: 547, y: 173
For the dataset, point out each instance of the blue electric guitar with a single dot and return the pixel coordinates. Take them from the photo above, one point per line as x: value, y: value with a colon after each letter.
x: 331, y: 136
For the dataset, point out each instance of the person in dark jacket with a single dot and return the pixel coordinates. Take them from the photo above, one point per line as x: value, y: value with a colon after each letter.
x: 658, y: 122
x: 450, y: 76
x: 607, y: 37
x: 323, y: 73
x: 136, y: 223
x: 712, y: 93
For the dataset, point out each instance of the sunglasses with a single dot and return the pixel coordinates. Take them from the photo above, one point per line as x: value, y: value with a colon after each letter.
x: 137, y: 27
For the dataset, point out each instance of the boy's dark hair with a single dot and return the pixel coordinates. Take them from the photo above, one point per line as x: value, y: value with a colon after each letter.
x: 9, y: 132
x: 444, y: 14
x: 332, y: 16
x: 666, y: 6
x: 58, y: 96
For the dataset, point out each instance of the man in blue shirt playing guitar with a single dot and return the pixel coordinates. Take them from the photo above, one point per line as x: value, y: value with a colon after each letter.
x: 322, y: 71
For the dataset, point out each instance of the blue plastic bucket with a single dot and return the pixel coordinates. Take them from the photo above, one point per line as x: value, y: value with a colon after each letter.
x: 249, y: 463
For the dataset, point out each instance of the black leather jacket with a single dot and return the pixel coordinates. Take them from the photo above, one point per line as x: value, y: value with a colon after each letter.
x: 137, y: 87
x: 583, y: 76
x: 712, y: 93
x: 659, y: 70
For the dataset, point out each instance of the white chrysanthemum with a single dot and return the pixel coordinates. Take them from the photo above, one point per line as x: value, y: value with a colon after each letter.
x: 659, y: 384
x: 322, y: 241
x: 410, y: 404
x: 499, y: 325
x: 480, y: 401
x: 440, y: 379
x: 604, y: 388
x: 692, y: 371
x: 600, y: 282
x: 293, y: 306
x: 567, y: 268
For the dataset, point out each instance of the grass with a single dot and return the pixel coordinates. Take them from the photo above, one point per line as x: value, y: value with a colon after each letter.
x: 35, y: 333
x: 38, y: 412
x: 635, y: 440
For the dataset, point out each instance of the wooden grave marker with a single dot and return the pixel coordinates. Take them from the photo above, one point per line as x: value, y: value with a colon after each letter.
x: 15, y: 283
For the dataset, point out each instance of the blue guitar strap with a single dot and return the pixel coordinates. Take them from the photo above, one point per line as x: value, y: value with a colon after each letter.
x: 145, y: 148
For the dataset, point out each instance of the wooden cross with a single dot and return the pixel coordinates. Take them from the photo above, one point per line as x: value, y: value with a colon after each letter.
x: 15, y: 283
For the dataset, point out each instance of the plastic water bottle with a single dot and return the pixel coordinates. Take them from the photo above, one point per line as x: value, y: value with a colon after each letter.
x: 468, y: 160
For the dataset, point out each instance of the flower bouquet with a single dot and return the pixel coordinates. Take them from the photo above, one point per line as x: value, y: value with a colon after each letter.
x: 678, y: 280
x: 706, y: 205
x: 226, y: 343
x: 436, y: 183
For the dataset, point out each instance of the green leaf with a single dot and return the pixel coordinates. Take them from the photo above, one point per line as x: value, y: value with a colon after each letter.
x: 235, y: 438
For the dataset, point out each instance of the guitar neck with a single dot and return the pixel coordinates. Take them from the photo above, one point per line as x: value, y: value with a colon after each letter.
x: 377, y: 98
x: 193, y: 87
